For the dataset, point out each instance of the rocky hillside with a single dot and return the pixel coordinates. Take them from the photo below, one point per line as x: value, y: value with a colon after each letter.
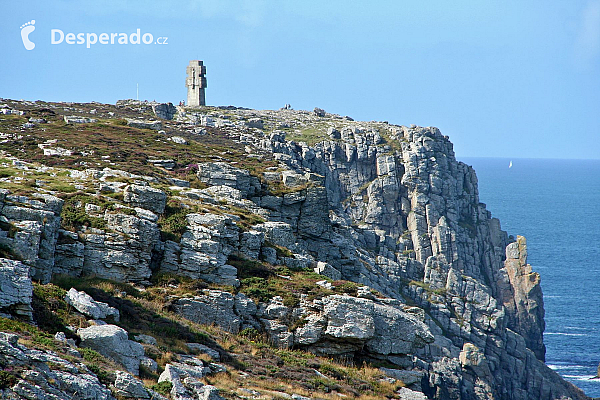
x: 149, y: 251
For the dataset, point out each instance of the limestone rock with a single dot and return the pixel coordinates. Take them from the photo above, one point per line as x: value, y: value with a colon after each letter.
x: 408, y: 394
x: 178, y: 140
x: 146, y: 339
x: 145, y: 197
x: 143, y: 124
x: 16, y: 289
x: 459, y: 312
x: 471, y: 356
x: 204, y: 249
x: 319, y: 112
x: 167, y: 164
x: 112, y: 341
x: 124, y: 254
x: 35, y: 221
x: 213, y: 307
x: 327, y: 270
x: 86, y: 305
x: 383, y: 328
x: 79, y: 120
x: 185, y: 377
x: 129, y: 387
x: 164, y: 110
x: 523, y: 297
x: 202, y: 349
x: 220, y: 173
x: 65, y: 380
x: 408, y: 377
x: 255, y: 123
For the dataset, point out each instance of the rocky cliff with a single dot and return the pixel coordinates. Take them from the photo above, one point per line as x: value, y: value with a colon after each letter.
x: 337, y: 241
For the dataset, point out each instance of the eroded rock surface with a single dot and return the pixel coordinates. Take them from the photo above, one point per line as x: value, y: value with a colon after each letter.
x: 444, y: 295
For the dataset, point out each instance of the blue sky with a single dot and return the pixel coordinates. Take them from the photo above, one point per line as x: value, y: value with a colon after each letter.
x: 501, y: 78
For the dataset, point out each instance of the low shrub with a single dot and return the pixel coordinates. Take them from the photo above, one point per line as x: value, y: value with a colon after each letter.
x: 163, y: 388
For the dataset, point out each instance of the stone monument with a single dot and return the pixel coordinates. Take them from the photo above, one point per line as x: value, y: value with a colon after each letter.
x: 196, y: 83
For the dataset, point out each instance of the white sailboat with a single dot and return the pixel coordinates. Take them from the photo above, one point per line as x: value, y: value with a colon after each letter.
x: 510, y: 164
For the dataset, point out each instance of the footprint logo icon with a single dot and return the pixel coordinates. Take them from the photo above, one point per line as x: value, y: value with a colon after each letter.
x: 26, y: 29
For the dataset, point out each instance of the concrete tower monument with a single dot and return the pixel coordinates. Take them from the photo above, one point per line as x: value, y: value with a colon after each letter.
x: 196, y: 83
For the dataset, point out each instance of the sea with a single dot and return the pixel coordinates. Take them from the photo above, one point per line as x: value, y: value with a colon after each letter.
x: 555, y: 204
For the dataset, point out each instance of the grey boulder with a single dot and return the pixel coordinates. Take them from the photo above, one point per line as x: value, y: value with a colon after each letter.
x: 112, y: 342
x: 85, y: 304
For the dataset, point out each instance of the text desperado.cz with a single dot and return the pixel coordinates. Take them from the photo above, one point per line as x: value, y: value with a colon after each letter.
x: 57, y: 36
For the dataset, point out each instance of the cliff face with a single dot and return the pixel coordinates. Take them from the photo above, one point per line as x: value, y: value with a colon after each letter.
x: 418, y: 209
x: 437, y: 292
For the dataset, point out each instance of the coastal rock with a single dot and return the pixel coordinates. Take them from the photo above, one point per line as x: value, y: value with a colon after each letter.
x: 128, y: 386
x: 86, y: 305
x: 204, y: 249
x: 436, y: 288
x: 112, y: 341
x: 34, y: 380
x: 143, y: 124
x: 145, y: 197
x: 16, y: 289
x: 79, y: 120
x: 223, y: 174
x: 122, y: 253
x: 523, y: 297
x: 29, y: 226
x: 349, y: 323
x: 164, y: 110
x: 214, y: 307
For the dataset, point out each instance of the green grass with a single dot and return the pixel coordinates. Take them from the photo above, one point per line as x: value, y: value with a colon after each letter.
x: 74, y: 215
x: 262, y: 282
x: 128, y: 148
x: 163, y: 388
x: 38, y: 337
x: 428, y: 289
x: 173, y: 221
x: 310, y: 136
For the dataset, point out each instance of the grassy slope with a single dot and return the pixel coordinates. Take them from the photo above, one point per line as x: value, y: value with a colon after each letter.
x: 252, y: 362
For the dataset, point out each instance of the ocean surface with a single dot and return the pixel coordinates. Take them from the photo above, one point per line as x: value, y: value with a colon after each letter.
x: 555, y: 204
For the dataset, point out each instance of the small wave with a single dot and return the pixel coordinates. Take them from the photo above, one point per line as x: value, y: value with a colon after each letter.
x: 547, y: 296
x: 587, y: 378
x: 565, y: 334
x: 577, y: 328
x: 560, y: 367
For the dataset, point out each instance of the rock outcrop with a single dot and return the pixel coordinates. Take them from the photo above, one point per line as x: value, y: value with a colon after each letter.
x: 37, y: 381
x: 523, y: 299
x: 440, y: 293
